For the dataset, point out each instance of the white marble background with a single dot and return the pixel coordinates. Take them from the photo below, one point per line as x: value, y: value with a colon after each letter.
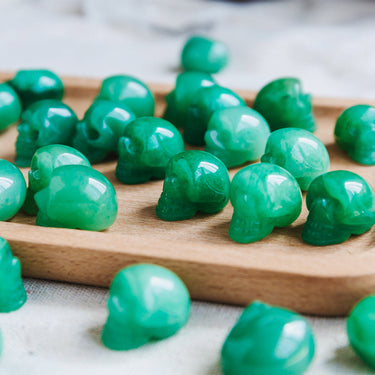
x: 329, y: 44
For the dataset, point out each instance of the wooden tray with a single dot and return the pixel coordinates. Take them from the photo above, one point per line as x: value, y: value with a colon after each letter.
x: 280, y: 269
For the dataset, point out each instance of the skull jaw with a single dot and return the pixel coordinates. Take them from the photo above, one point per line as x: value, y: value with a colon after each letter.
x: 363, y: 155
x: 137, y: 175
x: 25, y: 150
x: 173, y: 209
x: 30, y: 206
x: 13, y: 298
x: 307, y: 122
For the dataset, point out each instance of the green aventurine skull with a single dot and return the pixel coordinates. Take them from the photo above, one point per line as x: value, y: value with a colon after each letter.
x: 146, y: 302
x: 43, y: 123
x: 263, y: 196
x: 12, y: 291
x: 340, y: 203
x: 195, y: 181
x: 355, y: 133
x: 102, y: 126
x: 145, y: 149
x: 284, y: 105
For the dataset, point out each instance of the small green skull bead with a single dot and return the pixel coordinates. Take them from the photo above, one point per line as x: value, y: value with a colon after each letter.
x: 236, y: 135
x: 45, y: 160
x: 284, y: 105
x: 299, y: 152
x: 195, y: 181
x: 268, y: 340
x: 97, y: 135
x: 43, y: 123
x: 77, y: 197
x: 146, y: 302
x: 12, y: 291
x: 340, y: 204
x: 10, y: 106
x: 34, y: 85
x: 206, y: 102
x: 129, y: 91
x: 355, y: 133
x: 263, y: 196
x: 145, y: 149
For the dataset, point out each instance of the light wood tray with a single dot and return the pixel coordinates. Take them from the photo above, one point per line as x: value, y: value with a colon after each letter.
x: 281, y: 269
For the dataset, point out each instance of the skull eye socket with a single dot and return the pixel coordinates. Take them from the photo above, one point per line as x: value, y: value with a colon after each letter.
x: 34, y: 134
x: 93, y: 134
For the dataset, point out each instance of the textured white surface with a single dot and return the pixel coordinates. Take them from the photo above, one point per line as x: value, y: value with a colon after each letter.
x: 329, y: 44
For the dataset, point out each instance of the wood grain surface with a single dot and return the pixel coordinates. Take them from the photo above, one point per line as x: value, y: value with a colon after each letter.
x: 280, y: 269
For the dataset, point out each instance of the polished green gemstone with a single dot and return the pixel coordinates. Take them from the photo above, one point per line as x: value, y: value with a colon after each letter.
x: 236, y: 135
x: 44, y: 123
x: 206, y: 102
x: 129, y: 91
x: 299, y: 152
x: 34, y: 85
x: 263, y: 196
x: 361, y: 329
x: 284, y: 105
x: 203, y: 54
x: 97, y: 135
x: 180, y: 99
x: 355, y: 133
x: 12, y: 190
x: 45, y: 160
x: 268, y: 340
x: 146, y: 302
x: 12, y: 291
x: 194, y: 181
x: 77, y: 197
x: 340, y: 204
x: 10, y: 106
x: 145, y: 149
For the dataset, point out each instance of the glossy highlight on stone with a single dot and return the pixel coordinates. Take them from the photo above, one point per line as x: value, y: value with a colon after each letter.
x: 204, y: 54
x: 236, y: 135
x: 268, y: 340
x: 44, y: 123
x: 77, y: 197
x: 146, y: 303
x: 12, y: 190
x: 194, y: 181
x: 45, y: 160
x: 12, y: 291
x: 103, y: 124
x: 360, y: 327
x: 130, y: 91
x: 299, y: 152
x: 263, y: 196
x: 355, y: 133
x: 10, y: 106
x: 340, y: 203
x: 145, y: 148
x: 34, y: 85
x: 284, y: 105
x: 206, y: 102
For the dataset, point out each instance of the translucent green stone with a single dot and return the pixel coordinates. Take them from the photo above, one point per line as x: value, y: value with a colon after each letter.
x: 34, y: 85
x: 206, y: 102
x: 284, y: 105
x: 340, y: 204
x: 97, y: 135
x: 12, y: 291
x: 146, y: 302
x: 237, y: 135
x: 145, y: 149
x: 77, y: 197
x: 45, y: 160
x: 361, y: 329
x: 12, y: 190
x: 10, y: 106
x: 203, y: 54
x: 268, y: 340
x: 44, y: 123
x: 129, y: 91
x: 194, y: 181
x: 355, y: 133
x: 299, y: 152
x: 263, y: 196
